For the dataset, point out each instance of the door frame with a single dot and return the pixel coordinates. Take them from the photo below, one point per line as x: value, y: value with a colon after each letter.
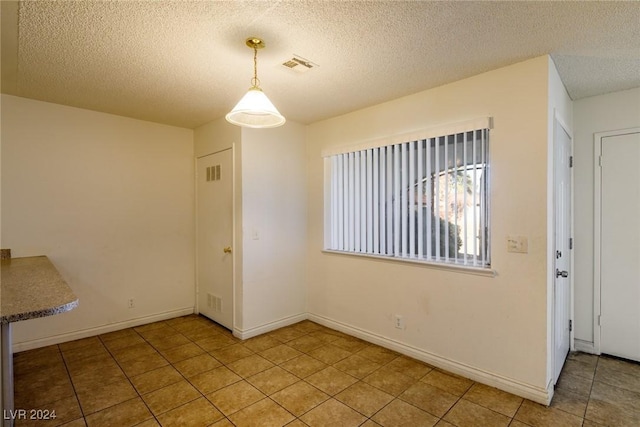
x: 558, y: 121
x: 233, y: 233
x: 597, y: 229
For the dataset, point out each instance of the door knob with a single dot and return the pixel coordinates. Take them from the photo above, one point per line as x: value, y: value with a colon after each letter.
x: 227, y: 250
x: 562, y: 273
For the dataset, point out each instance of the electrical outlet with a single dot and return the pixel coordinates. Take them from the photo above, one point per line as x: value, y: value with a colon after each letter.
x: 398, y: 321
x: 130, y: 302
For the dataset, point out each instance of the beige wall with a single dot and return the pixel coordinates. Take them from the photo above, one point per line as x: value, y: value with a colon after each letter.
x: 613, y: 111
x: 491, y: 328
x: 110, y: 200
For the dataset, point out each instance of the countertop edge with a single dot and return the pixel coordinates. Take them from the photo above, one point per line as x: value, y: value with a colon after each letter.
x: 40, y: 313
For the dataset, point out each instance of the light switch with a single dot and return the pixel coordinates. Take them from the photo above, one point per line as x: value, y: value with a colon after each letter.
x: 518, y: 244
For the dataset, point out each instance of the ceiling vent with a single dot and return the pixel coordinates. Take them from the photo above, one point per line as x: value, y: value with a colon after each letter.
x: 299, y: 64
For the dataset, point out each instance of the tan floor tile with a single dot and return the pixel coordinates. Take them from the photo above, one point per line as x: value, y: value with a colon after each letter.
x: 156, y: 379
x: 516, y: 423
x: 76, y: 423
x: 55, y: 413
x: 331, y: 381
x: 280, y: 353
x: 399, y: 413
x: 222, y: 423
x: 263, y: 413
x: 569, y: 402
x: 378, y: 354
x: 97, y: 377
x: 452, y: 384
x: 116, y: 335
x: 541, y: 416
x: 76, y: 344
x: 443, y: 423
x: 272, y: 380
x: 364, y: 398
x: 215, y: 379
x: 182, y: 352
x: 329, y: 354
x: 299, y: 398
x: 298, y: 423
x: 410, y: 367
x: 370, y: 423
x: 26, y: 362
x: 429, y: 398
x: 580, y: 369
x: 261, y: 343
x: 589, y: 423
x: 215, y: 342
x: 308, y: 326
x: 193, y: 414
x: 351, y: 344
x: 303, y: 366
x: 143, y: 364
x: 135, y: 351
x: 96, y: 348
x: 231, y: 353
x: 200, y: 333
x: 589, y: 359
x: 95, y: 362
x: 324, y: 336
x: 613, y: 405
x: 196, y: 365
x: 286, y: 334
x: 574, y: 384
x: 149, y: 327
x: 235, y: 397
x: 305, y: 343
x: 357, y: 366
x: 97, y: 399
x: 389, y: 380
x: 332, y: 413
x: 468, y: 414
x: 619, y: 374
x: 166, y: 342
x: 41, y: 388
x: 249, y: 366
x: 129, y: 413
x: 125, y: 341
x: 494, y: 399
x: 170, y: 397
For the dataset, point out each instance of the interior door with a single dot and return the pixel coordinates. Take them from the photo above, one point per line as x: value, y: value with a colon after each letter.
x: 562, y: 226
x: 620, y: 246
x: 215, y: 236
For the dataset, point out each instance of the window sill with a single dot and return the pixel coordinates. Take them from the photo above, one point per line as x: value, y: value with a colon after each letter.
x: 478, y: 271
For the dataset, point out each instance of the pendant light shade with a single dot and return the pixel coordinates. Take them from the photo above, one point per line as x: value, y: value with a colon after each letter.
x: 255, y: 110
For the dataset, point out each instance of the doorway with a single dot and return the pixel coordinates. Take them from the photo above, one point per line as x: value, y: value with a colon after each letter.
x: 617, y: 243
x: 214, y: 222
x: 562, y: 242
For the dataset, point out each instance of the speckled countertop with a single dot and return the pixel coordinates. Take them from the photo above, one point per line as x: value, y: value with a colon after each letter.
x: 32, y: 287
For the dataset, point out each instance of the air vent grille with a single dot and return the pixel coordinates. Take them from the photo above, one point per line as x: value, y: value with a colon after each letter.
x: 299, y: 64
x: 213, y: 173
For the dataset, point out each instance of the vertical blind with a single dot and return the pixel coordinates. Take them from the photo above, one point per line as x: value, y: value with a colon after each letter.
x: 422, y: 199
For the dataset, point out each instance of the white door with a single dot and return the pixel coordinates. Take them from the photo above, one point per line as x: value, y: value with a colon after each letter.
x: 562, y: 226
x: 215, y: 236
x: 620, y: 246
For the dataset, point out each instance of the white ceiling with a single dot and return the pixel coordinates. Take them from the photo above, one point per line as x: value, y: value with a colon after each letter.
x: 185, y: 62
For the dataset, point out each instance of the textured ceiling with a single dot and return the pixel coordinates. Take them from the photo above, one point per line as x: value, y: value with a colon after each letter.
x: 185, y: 62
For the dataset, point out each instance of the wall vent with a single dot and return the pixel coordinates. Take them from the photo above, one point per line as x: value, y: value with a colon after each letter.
x: 214, y: 303
x: 299, y: 64
x: 213, y: 173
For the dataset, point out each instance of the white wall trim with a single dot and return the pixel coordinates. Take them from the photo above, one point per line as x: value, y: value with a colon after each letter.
x: 585, y: 346
x: 537, y: 394
x: 90, y: 332
x: 244, y: 334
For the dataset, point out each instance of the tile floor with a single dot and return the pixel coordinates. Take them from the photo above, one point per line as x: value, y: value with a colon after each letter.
x: 189, y: 371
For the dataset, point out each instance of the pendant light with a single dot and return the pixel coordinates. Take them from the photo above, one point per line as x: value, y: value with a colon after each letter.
x: 255, y: 110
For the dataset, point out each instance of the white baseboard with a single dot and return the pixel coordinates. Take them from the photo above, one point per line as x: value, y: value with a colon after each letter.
x: 90, y: 332
x: 536, y: 394
x: 244, y: 334
x: 584, y: 346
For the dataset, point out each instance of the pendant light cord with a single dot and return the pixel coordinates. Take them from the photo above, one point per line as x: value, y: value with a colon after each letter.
x: 255, y: 82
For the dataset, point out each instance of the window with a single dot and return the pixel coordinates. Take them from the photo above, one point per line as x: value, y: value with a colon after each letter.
x: 422, y: 197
